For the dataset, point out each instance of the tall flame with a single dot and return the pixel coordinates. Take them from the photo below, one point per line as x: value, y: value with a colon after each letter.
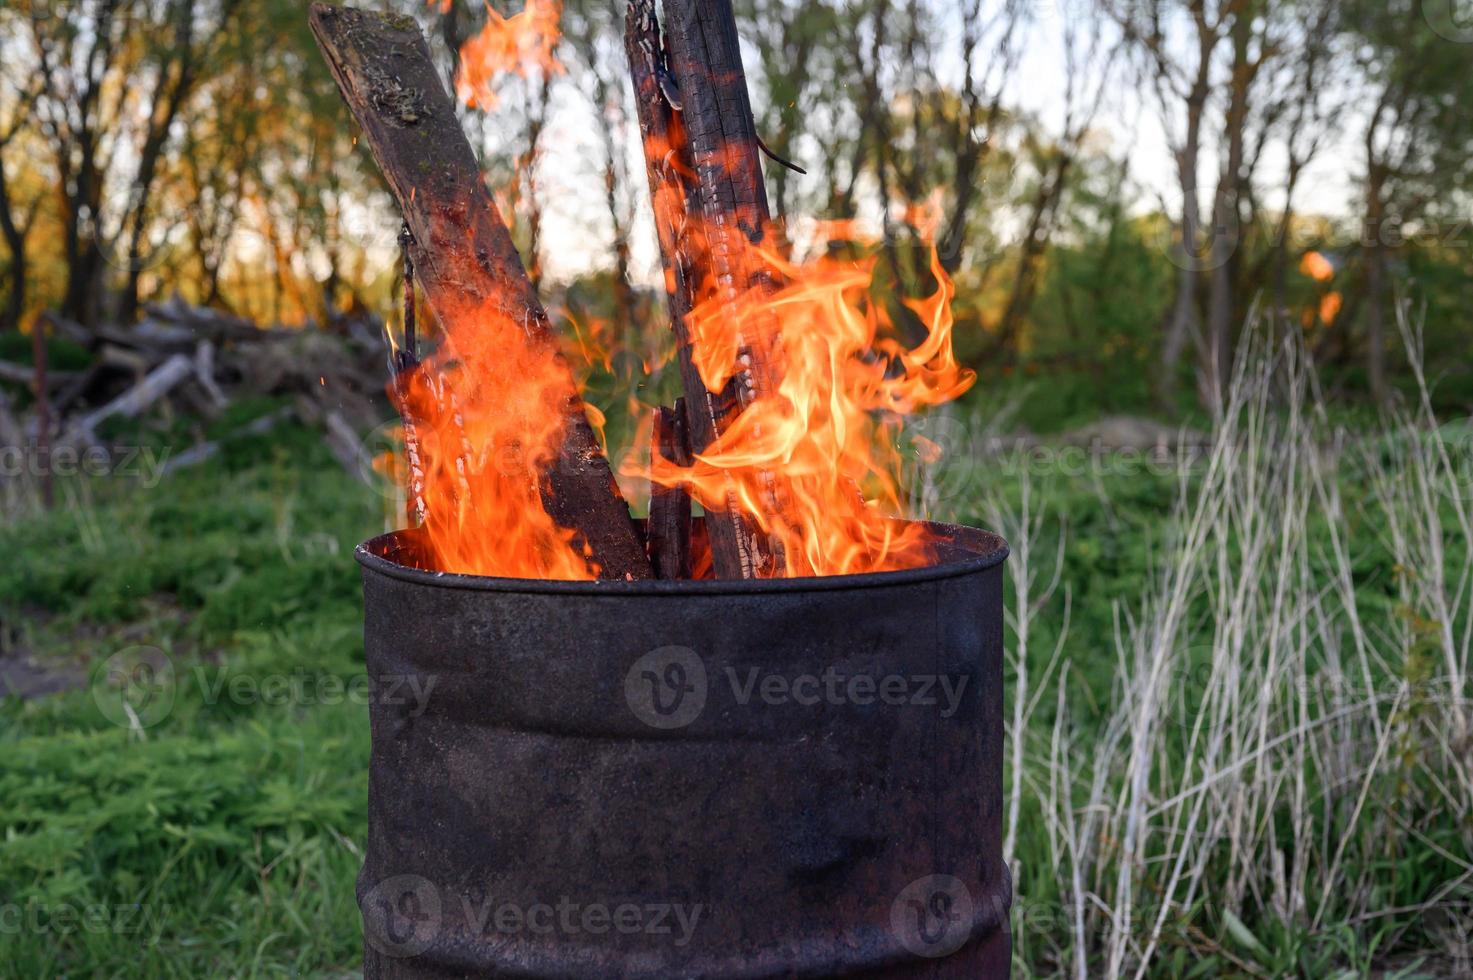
x: 813, y: 456
x: 523, y: 44
x: 485, y: 418
x: 829, y: 429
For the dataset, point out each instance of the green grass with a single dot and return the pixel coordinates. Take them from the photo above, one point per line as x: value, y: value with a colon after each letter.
x: 220, y: 834
x: 222, y: 838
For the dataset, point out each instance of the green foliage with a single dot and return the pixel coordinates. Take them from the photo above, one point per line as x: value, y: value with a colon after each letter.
x: 224, y: 839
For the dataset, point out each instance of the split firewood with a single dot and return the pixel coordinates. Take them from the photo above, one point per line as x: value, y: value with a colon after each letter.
x: 69, y: 329
x: 668, y: 534
x: 25, y: 374
x: 78, y: 387
x: 462, y: 250
x: 696, y: 213
x: 125, y: 359
x: 204, y: 374
x: 150, y: 335
x: 705, y: 61
x: 158, y: 383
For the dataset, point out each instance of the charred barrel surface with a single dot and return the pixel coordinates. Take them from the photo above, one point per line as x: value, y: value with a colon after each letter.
x: 686, y: 779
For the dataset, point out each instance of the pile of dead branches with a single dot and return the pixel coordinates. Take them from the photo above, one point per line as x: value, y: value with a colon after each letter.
x: 189, y: 362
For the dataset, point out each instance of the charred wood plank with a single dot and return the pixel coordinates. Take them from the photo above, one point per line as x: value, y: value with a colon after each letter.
x: 668, y: 535
x: 463, y: 253
x: 706, y: 62
x: 738, y: 548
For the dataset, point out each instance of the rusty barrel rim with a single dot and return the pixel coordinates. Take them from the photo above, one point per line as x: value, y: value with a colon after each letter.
x: 967, y: 550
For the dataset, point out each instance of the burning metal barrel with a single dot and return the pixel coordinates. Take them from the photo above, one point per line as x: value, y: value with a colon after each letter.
x: 792, y: 777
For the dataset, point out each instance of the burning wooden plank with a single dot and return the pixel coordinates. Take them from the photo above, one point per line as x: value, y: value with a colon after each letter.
x: 463, y: 254
x: 701, y: 204
x: 668, y: 538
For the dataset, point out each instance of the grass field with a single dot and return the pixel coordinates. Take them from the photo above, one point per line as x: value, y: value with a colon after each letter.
x: 1238, y: 697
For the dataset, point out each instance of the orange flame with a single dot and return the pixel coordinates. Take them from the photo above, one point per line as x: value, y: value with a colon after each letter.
x: 486, y: 417
x: 812, y: 456
x: 522, y: 44
x: 828, y: 429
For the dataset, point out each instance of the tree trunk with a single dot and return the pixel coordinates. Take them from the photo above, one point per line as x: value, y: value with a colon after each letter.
x: 1040, y: 224
x: 15, y: 243
x: 1182, y: 322
x: 1223, y: 255
x: 1376, y: 263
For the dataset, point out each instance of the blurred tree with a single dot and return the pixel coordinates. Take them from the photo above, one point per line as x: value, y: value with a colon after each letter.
x: 1232, y: 79
x: 19, y: 200
x: 1089, y: 60
x: 1178, y: 71
x: 1417, y: 141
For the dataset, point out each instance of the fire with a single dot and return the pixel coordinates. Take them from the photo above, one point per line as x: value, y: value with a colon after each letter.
x: 814, y: 462
x: 486, y: 423
x: 828, y: 378
x: 522, y: 44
